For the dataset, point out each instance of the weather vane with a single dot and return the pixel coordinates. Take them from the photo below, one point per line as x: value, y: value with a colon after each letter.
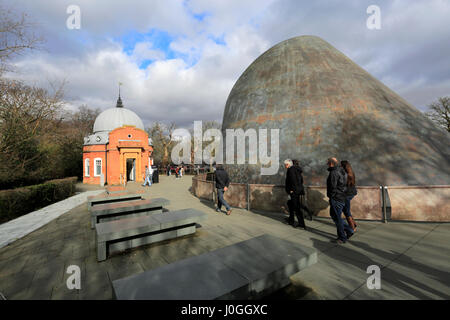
x: 120, y: 83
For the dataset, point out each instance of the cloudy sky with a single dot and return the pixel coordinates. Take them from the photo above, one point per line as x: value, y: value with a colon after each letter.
x: 178, y: 60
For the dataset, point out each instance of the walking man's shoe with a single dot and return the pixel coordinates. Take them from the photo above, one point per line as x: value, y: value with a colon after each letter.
x: 338, y: 241
x: 228, y: 212
x: 301, y: 226
x: 289, y: 221
x: 218, y: 210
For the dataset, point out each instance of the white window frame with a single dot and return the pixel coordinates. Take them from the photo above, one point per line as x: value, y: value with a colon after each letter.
x: 95, y: 167
x: 87, y: 167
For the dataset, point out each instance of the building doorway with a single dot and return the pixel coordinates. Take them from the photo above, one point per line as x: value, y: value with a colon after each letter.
x: 131, y: 169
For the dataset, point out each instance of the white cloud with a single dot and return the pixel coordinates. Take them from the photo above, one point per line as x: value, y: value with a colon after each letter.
x: 410, y: 53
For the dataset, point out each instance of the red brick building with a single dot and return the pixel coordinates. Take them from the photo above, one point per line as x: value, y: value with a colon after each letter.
x: 118, y: 150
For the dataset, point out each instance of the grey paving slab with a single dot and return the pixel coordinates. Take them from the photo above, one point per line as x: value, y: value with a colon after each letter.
x: 406, y: 282
x: 22, y: 226
x: 332, y: 278
x: 432, y: 255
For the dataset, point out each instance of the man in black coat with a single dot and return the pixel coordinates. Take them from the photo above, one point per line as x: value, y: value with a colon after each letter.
x: 302, y: 191
x: 336, y: 193
x: 222, y: 184
x: 294, y: 189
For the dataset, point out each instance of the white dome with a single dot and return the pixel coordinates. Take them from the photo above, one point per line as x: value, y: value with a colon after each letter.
x: 113, y: 118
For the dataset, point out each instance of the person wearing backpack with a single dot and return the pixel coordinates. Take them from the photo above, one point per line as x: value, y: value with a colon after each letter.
x: 350, y: 193
x: 336, y: 193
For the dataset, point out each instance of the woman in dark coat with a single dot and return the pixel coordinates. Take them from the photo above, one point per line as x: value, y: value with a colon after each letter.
x: 351, y: 192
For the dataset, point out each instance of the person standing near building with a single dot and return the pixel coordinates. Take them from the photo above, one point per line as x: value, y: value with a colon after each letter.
x: 351, y: 192
x: 336, y: 188
x: 294, y: 189
x: 222, y: 184
x: 147, y: 177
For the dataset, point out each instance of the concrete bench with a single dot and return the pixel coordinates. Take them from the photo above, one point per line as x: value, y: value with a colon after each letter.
x: 128, y: 209
x: 119, y: 235
x: 111, y: 198
x: 249, y: 269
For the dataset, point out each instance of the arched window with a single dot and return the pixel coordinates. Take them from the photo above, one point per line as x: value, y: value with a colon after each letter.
x: 97, y: 167
x: 86, y: 167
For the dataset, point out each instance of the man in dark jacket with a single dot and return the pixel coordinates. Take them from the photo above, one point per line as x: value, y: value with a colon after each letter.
x: 302, y: 190
x: 222, y: 183
x: 336, y: 192
x: 294, y: 189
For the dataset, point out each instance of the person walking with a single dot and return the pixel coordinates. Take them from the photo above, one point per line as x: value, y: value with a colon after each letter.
x: 336, y: 188
x: 294, y: 189
x: 350, y: 193
x: 222, y: 184
x: 147, y: 177
x: 302, y: 202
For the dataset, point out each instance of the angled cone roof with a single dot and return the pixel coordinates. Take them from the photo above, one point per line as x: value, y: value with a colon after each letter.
x: 326, y: 105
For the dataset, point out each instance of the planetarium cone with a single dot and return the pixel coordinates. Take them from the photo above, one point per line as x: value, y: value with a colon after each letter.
x: 326, y: 105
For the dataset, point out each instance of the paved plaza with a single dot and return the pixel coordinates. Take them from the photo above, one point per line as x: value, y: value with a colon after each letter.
x: 413, y: 257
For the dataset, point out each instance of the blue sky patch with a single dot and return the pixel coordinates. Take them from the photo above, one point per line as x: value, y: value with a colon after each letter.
x: 160, y: 40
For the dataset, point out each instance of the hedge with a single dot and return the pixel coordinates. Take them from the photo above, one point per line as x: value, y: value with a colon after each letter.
x: 17, y: 202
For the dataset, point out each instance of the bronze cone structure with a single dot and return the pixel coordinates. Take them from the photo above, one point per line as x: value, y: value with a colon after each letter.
x: 326, y: 105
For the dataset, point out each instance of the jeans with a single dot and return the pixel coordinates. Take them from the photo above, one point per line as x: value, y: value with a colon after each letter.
x: 221, y: 200
x: 343, y: 229
x: 149, y: 180
x: 346, y: 209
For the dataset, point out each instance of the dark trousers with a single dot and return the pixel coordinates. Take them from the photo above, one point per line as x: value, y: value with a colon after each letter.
x: 295, y: 207
x: 343, y: 229
x: 346, y: 208
x: 221, y: 200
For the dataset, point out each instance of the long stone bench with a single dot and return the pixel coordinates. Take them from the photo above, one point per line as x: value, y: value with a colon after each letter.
x: 111, y: 198
x: 119, y: 235
x: 128, y: 209
x: 249, y: 269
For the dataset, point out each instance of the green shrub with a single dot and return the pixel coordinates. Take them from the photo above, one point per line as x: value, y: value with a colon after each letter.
x: 17, y: 202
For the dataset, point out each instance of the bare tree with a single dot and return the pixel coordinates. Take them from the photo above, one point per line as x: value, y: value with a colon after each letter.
x: 72, y: 129
x: 161, y: 135
x: 195, y: 144
x: 439, y: 112
x: 28, y: 118
x: 16, y: 36
x: 82, y: 120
